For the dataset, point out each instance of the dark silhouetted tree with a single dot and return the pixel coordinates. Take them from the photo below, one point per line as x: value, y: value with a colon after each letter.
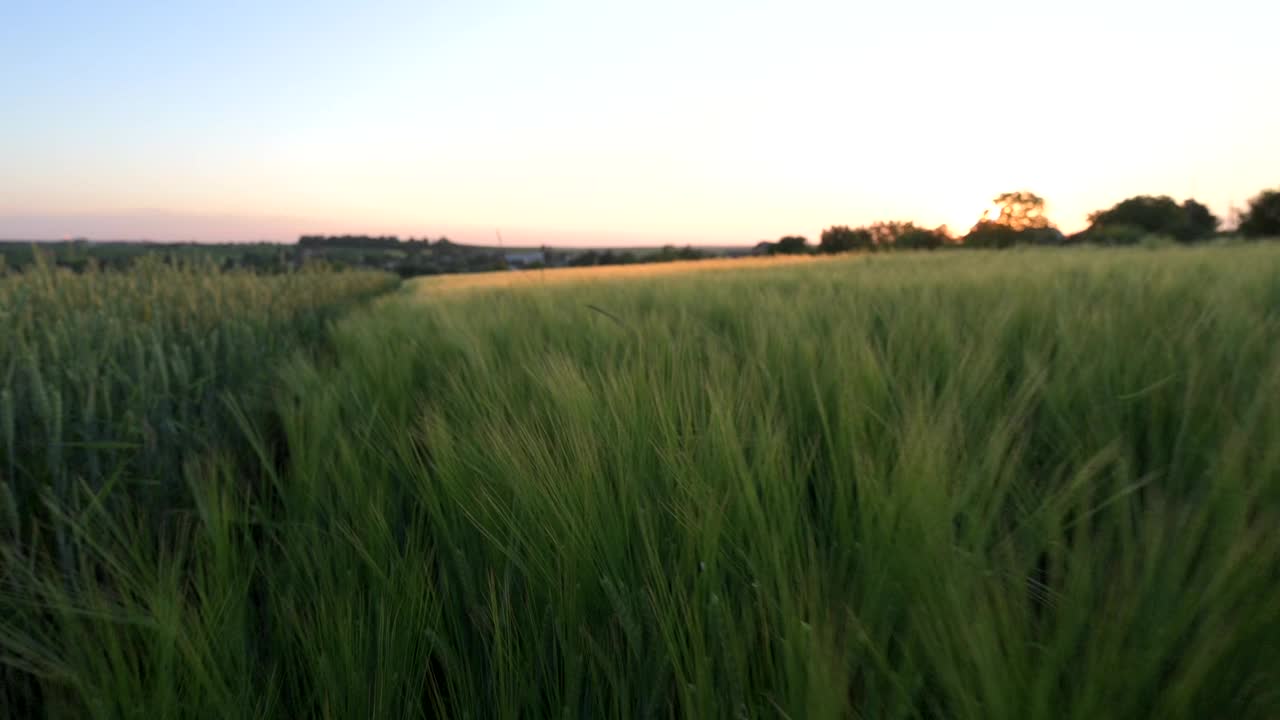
x: 1021, y: 210
x: 349, y: 241
x: 841, y: 238
x: 1020, y: 219
x: 918, y: 238
x: 991, y: 234
x: 1262, y: 219
x: 792, y: 245
x: 1152, y: 215
x: 884, y: 235
x: 906, y: 236
x: 1201, y: 223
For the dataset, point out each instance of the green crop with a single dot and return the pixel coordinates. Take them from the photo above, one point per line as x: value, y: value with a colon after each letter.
x: 1030, y: 484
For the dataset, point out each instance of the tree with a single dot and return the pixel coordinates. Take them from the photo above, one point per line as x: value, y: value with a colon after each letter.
x: 1020, y: 219
x: 906, y: 236
x: 841, y: 238
x: 918, y: 238
x: 792, y: 245
x: 1262, y: 219
x: 1152, y: 215
x: 1020, y: 211
x: 991, y: 234
x: 1201, y: 223
x: 884, y: 235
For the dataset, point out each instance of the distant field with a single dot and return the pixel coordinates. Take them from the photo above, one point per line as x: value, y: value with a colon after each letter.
x: 1019, y: 484
x: 552, y: 276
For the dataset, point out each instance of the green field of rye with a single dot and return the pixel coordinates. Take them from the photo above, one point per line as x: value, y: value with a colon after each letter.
x: 960, y: 484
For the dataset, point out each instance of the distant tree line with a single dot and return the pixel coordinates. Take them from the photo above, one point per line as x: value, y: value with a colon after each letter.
x: 383, y: 242
x: 1131, y: 220
x: 1020, y: 219
x: 667, y: 253
x: 407, y: 258
x: 882, y: 236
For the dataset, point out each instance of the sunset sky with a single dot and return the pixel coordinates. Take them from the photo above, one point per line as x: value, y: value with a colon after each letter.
x: 595, y: 122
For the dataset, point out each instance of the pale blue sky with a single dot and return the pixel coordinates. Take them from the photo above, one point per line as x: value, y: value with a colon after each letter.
x: 585, y: 122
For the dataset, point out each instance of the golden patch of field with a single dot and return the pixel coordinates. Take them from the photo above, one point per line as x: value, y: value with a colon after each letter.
x: 437, y: 284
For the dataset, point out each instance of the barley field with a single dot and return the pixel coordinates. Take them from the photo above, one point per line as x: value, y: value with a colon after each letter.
x: 1021, y: 484
x: 112, y: 383
x: 436, y: 284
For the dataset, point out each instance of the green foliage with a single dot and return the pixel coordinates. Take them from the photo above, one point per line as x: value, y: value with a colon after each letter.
x: 1262, y: 219
x: 405, y: 258
x: 1200, y: 223
x: 386, y: 242
x: 841, y: 239
x: 1019, y: 221
x: 990, y: 235
x: 791, y: 245
x: 907, y: 236
x: 81, y: 255
x: 1161, y: 215
x: 1018, y: 485
x: 882, y: 236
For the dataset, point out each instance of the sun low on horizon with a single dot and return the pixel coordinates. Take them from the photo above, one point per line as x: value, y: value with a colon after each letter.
x: 579, y: 123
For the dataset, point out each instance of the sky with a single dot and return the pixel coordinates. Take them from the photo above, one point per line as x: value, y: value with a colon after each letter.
x: 578, y: 122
